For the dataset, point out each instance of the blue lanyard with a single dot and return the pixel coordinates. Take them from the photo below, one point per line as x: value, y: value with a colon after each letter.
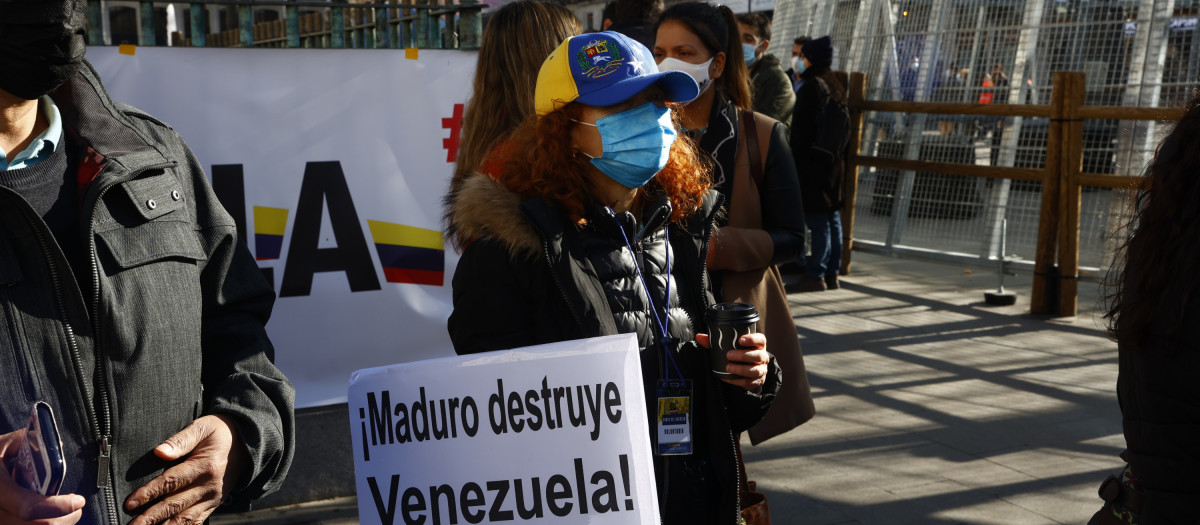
x: 663, y: 322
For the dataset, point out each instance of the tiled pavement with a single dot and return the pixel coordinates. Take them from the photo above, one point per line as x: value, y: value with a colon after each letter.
x: 935, y: 408
x: 932, y: 407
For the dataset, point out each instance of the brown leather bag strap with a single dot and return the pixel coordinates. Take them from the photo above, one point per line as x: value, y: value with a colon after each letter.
x: 750, y: 128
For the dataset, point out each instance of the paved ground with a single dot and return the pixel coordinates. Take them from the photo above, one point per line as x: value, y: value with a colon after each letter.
x: 933, y: 408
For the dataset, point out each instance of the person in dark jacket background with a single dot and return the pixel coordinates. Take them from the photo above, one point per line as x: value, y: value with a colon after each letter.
x: 581, y: 236
x: 634, y: 19
x: 1154, y: 315
x: 133, y: 309
x: 820, y: 179
x: 770, y: 86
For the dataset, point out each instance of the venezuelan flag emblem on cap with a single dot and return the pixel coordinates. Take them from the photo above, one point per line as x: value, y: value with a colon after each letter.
x: 602, y: 69
x: 409, y: 254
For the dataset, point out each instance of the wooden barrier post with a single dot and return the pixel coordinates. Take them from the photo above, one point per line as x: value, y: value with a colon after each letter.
x: 246, y: 25
x: 95, y: 17
x: 337, y: 36
x: 857, y: 93
x: 383, y: 38
x: 1069, y: 195
x: 293, y: 25
x: 470, y: 26
x: 199, y: 25
x: 422, y: 30
x: 147, y: 37
x: 1044, y: 295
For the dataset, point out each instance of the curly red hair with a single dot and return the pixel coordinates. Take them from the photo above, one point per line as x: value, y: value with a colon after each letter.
x: 544, y: 163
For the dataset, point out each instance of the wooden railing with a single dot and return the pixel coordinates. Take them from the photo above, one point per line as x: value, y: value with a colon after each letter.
x: 334, y: 24
x: 1056, y: 266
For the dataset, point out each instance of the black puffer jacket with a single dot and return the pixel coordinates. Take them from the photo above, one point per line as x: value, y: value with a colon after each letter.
x: 531, y: 278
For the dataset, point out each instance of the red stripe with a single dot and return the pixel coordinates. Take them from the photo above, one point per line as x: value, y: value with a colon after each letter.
x: 401, y: 275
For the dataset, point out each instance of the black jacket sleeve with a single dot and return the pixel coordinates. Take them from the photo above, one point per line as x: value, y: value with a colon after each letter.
x: 239, y: 375
x: 745, y: 408
x: 494, y: 301
x: 782, y: 210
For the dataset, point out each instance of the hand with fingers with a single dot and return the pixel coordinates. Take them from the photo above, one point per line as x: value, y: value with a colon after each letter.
x: 20, y: 505
x: 213, y: 461
x: 751, y: 364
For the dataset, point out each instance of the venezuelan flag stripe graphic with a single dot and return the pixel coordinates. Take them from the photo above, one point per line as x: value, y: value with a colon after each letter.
x: 269, y: 226
x: 409, y: 254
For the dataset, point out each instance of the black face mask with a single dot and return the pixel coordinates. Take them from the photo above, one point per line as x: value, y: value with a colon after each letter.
x: 41, y: 44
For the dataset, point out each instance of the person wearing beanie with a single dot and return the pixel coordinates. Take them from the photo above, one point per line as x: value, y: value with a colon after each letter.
x: 820, y: 181
x: 818, y: 51
x: 599, y: 224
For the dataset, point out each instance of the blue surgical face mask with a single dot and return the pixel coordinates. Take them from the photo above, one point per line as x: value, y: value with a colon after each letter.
x: 637, y: 144
x: 748, y: 52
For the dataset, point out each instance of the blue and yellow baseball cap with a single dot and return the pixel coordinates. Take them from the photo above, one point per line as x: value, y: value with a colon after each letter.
x: 601, y: 69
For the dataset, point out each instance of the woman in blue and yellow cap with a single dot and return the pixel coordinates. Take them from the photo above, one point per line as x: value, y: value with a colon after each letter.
x: 599, y: 224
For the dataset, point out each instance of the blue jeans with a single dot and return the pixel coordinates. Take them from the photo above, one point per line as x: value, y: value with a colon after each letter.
x: 826, y: 258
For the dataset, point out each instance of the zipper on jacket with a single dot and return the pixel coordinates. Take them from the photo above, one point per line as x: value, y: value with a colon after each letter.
x: 104, y: 475
x: 104, y: 466
x: 557, y: 283
x: 73, y: 348
x: 550, y: 265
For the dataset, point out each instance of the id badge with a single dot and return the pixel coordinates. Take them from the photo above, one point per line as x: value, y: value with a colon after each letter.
x: 674, y: 417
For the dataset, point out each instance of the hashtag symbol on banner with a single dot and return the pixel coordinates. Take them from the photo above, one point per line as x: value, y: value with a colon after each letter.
x: 454, y: 124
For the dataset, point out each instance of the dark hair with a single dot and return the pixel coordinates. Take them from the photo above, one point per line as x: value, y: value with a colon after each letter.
x: 609, y: 12
x: 760, y: 22
x: 1154, y: 278
x: 718, y: 30
x: 801, y: 40
x: 625, y: 10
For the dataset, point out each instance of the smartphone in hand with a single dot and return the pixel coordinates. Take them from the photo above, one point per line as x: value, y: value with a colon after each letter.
x: 40, y: 464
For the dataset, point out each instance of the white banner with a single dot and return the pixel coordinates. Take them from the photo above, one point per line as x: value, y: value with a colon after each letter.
x: 336, y: 162
x: 547, y: 434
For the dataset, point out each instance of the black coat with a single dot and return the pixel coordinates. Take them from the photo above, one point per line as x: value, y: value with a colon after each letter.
x: 821, y: 183
x: 1160, y: 413
x: 530, y: 277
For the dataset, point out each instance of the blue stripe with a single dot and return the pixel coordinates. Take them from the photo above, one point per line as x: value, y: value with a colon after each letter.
x: 411, y: 258
x: 267, y: 246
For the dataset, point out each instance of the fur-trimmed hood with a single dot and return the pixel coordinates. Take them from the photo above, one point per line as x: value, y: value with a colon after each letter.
x: 483, y: 208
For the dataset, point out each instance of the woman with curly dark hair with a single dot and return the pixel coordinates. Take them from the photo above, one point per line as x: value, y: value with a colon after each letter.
x: 1154, y: 315
x: 598, y: 224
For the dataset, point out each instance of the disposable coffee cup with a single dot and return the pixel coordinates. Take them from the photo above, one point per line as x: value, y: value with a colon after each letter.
x: 726, y: 323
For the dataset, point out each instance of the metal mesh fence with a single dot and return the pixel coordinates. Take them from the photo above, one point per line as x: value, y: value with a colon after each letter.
x: 1133, y: 53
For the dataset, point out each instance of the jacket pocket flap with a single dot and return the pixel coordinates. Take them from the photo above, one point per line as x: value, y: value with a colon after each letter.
x: 155, y: 196
x: 152, y: 241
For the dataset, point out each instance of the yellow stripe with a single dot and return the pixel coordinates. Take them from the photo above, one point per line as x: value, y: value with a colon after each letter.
x: 127, y: 49
x: 401, y: 235
x: 270, y: 221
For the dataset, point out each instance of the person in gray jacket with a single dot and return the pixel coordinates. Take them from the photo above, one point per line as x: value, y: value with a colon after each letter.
x: 773, y: 93
x: 128, y: 304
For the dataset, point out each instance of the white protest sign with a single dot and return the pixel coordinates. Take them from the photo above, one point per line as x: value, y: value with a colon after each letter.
x: 554, y: 433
